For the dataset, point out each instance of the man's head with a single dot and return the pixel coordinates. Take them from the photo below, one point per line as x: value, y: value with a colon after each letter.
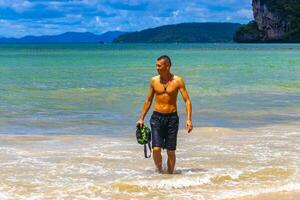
x: 163, y: 64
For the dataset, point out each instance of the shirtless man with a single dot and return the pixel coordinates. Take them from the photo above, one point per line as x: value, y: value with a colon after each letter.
x: 164, y: 120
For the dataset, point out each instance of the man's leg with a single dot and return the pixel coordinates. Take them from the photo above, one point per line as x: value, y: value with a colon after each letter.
x: 171, y: 161
x: 171, y: 142
x: 157, y: 158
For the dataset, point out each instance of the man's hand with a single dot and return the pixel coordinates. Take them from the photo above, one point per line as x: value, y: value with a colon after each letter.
x: 189, y: 125
x: 140, y: 122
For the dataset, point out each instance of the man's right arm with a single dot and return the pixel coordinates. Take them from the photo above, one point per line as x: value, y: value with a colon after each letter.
x: 147, y: 104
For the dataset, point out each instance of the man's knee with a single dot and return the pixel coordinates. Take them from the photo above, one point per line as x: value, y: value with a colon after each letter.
x: 156, y: 150
x: 171, y: 153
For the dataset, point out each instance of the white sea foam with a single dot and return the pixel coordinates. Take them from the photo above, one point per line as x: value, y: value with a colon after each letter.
x: 4, y: 194
x: 92, y: 169
x: 129, y: 173
x: 174, y: 182
x: 292, y: 134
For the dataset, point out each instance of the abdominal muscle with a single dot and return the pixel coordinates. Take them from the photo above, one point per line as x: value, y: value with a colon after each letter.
x: 165, y: 103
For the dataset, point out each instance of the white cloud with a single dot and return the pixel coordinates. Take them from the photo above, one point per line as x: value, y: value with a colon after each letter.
x: 17, y: 5
x: 247, y: 13
x: 228, y: 18
x: 175, y: 13
x: 99, y: 22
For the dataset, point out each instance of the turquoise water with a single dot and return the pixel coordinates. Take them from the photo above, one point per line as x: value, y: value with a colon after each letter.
x: 100, y: 89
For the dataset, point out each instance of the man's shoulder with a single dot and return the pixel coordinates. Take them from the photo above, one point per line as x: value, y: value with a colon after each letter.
x: 178, y: 78
x: 179, y: 81
x: 155, y: 78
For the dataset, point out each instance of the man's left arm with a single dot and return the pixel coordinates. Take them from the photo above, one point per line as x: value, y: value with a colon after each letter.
x: 188, y: 105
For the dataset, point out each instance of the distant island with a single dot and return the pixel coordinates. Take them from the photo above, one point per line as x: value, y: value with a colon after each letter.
x: 209, y: 32
x: 275, y: 21
x: 68, y: 37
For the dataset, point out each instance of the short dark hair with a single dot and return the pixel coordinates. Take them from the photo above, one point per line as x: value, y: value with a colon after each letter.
x: 166, y: 58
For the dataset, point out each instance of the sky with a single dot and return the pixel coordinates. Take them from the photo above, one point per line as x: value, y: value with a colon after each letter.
x: 47, y: 17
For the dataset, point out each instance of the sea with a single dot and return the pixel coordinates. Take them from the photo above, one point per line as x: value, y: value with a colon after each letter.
x: 68, y: 117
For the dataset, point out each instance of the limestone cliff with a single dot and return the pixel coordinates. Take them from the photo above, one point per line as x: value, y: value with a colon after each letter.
x: 272, y: 24
x: 275, y: 21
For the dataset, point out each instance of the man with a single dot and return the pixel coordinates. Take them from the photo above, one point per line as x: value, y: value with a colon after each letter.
x: 164, y: 120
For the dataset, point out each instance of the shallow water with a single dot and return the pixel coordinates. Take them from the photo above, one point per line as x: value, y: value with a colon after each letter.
x: 212, y: 163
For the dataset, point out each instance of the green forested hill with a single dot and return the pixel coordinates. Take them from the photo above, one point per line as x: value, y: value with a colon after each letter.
x: 185, y: 32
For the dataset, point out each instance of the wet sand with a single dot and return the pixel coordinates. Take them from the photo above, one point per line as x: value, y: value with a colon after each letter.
x: 293, y: 195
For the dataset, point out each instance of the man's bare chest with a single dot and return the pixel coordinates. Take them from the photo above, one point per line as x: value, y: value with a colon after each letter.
x: 170, y: 89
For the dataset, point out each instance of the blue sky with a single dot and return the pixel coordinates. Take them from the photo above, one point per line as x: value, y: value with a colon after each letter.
x: 48, y: 17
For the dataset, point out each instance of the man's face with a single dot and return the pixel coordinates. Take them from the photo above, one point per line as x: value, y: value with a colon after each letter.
x: 161, y: 66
